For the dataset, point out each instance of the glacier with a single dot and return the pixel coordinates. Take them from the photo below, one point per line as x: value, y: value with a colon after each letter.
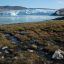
x: 26, y: 12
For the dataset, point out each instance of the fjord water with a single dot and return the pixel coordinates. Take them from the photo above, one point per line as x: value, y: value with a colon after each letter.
x: 24, y: 18
x: 26, y: 15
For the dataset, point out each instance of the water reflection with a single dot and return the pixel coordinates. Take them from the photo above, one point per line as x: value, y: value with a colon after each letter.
x: 25, y: 18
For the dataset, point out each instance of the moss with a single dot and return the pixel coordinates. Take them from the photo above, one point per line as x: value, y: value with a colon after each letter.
x: 48, y: 35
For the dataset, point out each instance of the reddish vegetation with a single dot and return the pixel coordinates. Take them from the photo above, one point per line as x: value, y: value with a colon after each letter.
x: 48, y: 35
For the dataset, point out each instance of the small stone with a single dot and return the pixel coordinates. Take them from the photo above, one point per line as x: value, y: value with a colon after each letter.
x: 6, y: 51
x: 0, y: 52
x: 2, y: 57
x: 5, y: 47
x: 16, y: 58
x: 23, y: 32
x: 34, y: 46
x: 30, y: 50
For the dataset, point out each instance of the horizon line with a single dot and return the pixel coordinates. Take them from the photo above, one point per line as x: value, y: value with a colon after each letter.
x: 32, y: 7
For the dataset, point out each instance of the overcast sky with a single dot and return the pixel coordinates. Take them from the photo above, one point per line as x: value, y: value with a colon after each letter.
x: 56, y: 4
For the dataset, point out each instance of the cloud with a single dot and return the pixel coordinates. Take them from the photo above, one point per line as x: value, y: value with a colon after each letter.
x: 60, y: 1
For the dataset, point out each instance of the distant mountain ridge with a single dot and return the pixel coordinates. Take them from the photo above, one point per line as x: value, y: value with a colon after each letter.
x: 19, y: 8
x: 11, y: 7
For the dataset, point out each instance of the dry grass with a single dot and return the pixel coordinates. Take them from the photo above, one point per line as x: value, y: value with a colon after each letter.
x: 49, y: 35
x: 38, y: 30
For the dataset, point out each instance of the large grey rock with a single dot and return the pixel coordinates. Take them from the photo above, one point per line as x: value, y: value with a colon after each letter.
x: 59, y: 12
x: 58, y: 54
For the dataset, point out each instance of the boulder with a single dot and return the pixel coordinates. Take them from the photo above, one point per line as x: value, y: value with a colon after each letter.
x: 58, y: 54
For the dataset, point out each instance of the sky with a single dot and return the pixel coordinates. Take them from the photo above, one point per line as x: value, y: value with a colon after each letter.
x: 54, y: 4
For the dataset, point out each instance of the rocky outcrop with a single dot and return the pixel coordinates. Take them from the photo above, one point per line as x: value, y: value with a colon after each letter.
x: 59, y: 12
x: 59, y: 18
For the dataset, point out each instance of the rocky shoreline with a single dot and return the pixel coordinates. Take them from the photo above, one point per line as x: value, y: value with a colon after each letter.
x: 61, y: 18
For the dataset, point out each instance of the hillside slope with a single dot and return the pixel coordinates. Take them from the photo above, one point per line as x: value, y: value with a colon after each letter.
x: 2, y: 8
x: 32, y: 42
